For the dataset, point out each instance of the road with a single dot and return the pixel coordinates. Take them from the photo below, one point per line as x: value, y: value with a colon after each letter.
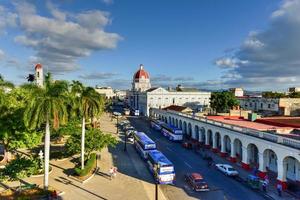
x: 222, y: 187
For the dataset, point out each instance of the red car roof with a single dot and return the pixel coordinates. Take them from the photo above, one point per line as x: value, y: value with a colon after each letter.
x: 196, y: 176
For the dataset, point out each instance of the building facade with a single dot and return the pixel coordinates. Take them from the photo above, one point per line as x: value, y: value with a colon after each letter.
x: 238, y: 92
x: 39, y: 75
x: 252, y: 148
x: 142, y: 97
x: 271, y: 106
x: 108, y: 92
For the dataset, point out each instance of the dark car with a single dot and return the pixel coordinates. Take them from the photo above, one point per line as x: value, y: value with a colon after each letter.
x: 196, y: 181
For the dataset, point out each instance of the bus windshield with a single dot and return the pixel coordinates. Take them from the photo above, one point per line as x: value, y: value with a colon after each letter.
x: 144, y: 141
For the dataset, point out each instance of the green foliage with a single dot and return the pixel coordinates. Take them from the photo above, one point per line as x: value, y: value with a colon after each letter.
x: 294, y: 95
x: 273, y: 95
x: 21, y: 167
x: 223, y: 101
x: 13, y: 133
x: 95, y: 140
x: 90, y: 164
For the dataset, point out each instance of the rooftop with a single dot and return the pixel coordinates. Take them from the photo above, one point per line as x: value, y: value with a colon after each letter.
x: 281, y: 121
x: 246, y: 123
x: 175, y: 108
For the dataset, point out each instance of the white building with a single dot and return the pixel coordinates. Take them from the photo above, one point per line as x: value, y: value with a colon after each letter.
x: 143, y: 97
x: 250, y: 147
x: 108, y: 92
x: 271, y: 106
x: 39, y: 75
x: 238, y: 92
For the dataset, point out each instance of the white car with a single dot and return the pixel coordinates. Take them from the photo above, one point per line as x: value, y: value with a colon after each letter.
x: 227, y: 169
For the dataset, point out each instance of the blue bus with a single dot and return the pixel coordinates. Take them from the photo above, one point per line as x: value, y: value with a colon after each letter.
x: 172, y: 132
x: 161, y: 168
x: 156, y: 124
x: 143, y: 144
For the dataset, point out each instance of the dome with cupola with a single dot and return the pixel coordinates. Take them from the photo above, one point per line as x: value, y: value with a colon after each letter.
x: 141, y: 80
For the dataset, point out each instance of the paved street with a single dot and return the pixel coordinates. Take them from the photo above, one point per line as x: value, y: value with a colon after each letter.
x: 186, y: 161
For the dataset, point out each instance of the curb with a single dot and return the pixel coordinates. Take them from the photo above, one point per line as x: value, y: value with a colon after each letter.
x: 86, y: 180
x: 40, y: 175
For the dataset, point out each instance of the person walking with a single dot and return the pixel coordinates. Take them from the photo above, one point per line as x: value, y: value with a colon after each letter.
x: 279, y: 189
x: 115, y: 170
x: 111, y: 172
x: 264, y: 186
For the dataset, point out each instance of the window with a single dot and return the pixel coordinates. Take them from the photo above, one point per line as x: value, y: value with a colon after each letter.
x: 38, y: 74
x: 261, y: 105
x: 269, y: 105
x: 250, y: 105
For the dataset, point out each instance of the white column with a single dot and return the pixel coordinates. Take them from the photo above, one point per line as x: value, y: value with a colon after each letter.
x: 223, y: 145
x: 207, y: 138
x: 245, y: 155
x: 233, y: 150
x: 281, y: 166
x: 262, y: 162
x: 214, y: 140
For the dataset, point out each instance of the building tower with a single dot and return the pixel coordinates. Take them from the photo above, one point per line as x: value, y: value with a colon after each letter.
x: 141, y: 80
x: 39, y: 75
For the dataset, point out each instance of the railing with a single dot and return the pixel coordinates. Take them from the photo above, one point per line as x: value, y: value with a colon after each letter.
x: 280, y: 139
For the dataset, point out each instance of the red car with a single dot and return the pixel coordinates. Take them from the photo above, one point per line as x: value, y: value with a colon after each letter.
x: 196, y: 181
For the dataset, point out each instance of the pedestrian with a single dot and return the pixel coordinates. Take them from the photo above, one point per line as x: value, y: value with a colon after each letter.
x: 264, y: 186
x: 115, y: 170
x: 279, y: 189
x: 110, y: 172
x: 54, y: 195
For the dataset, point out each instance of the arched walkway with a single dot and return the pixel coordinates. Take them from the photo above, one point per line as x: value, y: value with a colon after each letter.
x: 269, y: 160
x: 227, y: 143
x: 291, y: 168
x: 189, y: 130
x: 202, y: 135
x: 180, y: 124
x: 173, y: 121
x: 209, y: 138
x: 197, y: 135
x: 170, y: 120
x: 218, y: 141
x: 176, y: 123
x: 252, y: 152
x: 238, y: 148
x: 184, y: 128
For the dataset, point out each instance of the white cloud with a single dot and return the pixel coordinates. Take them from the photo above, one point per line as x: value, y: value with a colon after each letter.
x: 2, y: 54
x: 270, y: 58
x: 98, y: 75
x: 63, y: 38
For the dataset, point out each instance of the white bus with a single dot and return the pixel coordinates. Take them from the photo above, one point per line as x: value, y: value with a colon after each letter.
x: 172, y: 132
x: 143, y: 144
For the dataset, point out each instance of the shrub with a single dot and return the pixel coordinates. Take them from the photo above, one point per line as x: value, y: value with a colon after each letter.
x: 21, y: 167
x: 90, y: 163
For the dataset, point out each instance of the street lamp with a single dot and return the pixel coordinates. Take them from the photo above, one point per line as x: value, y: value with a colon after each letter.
x: 125, y: 142
x: 41, y: 156
x: 156, y: 190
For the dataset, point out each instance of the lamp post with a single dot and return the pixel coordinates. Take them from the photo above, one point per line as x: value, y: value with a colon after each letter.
x: 156, y: 190
x: 125, y: 142
x: 41, y: 156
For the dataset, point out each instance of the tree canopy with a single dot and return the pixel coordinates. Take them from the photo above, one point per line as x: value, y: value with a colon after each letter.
x: 223, y: 101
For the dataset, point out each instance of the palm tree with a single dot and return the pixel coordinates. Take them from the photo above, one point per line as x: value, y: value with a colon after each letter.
x: 46, y: 105
x: 89, y: 104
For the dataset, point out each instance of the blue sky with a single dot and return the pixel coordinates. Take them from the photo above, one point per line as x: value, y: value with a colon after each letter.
x: 208, y: 44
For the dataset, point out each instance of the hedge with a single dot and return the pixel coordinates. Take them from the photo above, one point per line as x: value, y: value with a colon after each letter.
x: 88, y: 166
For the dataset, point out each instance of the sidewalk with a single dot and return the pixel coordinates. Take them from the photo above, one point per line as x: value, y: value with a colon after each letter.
x: 271, y: 189
x: 131, y: 182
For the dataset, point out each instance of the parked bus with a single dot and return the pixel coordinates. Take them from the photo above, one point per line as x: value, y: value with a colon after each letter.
x: 143, y: 144
x: 156, y: 124
x: 161, y: 168
x: 172, y: 132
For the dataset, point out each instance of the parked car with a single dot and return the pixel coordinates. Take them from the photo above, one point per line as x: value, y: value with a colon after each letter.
x: 129, y: 134
x: 196, y: 181
x: 227, y: 169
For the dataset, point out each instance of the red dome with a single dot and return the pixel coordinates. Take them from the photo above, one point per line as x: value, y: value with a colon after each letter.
x: 38, y: 66
x: 141, y: 73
